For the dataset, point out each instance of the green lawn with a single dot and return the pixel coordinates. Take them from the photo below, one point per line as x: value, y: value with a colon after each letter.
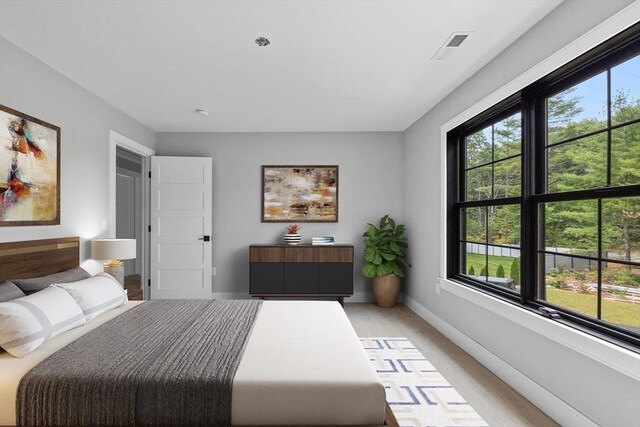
x: 478, y: 260
x: 612, y: 311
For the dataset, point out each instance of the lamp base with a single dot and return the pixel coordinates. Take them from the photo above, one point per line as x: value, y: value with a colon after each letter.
x: 116, y: 269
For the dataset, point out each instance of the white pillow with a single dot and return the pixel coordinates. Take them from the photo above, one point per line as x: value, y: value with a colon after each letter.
x: 96, y: 294
x: 27, y: 322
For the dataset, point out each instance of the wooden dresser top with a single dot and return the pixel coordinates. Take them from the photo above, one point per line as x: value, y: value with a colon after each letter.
x: 284, y: 245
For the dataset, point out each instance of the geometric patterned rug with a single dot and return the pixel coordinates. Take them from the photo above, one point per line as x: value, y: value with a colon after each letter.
x: 417, y: 393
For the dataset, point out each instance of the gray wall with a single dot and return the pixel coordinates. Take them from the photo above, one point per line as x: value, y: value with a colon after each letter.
x: 30, y: 86
x: 601, y: 393
x: 378, y: 174
x: 371, y: 173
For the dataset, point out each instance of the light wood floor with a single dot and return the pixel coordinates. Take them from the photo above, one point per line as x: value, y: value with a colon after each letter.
x: 493, y: 399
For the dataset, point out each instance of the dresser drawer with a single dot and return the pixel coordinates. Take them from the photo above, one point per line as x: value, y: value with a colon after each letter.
x: 266, y: 278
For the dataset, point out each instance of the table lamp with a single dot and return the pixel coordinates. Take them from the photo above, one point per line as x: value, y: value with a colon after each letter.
x: 114, y: 250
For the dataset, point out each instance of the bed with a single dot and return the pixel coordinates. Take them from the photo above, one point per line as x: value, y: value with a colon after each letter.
x: 301, y: 364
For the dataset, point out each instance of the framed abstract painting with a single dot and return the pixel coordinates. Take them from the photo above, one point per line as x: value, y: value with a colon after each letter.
x: 29, y: 170
x: 300, y: 193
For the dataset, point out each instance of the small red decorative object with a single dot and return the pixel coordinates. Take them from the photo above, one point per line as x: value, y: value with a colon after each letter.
x: 293, y: 228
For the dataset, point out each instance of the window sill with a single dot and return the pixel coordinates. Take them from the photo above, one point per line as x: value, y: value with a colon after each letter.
x: 609, y: 354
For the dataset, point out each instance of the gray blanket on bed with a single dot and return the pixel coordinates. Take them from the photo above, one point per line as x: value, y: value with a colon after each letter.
x: 165, y: 362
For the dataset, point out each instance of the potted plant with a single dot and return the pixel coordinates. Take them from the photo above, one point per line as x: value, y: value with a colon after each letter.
x: 293, y: 237
x: 385, y: 259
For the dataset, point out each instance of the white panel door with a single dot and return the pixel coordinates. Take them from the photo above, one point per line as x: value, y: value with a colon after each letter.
x: 181, y: 192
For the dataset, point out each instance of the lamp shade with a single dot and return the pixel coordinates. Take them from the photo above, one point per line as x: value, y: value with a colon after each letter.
x: 113, y: 248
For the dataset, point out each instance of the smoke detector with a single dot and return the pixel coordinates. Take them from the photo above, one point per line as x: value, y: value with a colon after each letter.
x: 453, y: 42
x: 202, y: 112
x: 262, y: 41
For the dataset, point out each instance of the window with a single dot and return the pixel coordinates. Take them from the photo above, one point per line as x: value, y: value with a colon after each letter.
x: 544, y: 194
x: 491, y: 203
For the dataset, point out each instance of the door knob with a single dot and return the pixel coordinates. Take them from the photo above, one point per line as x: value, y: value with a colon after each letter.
x: 205, y: 238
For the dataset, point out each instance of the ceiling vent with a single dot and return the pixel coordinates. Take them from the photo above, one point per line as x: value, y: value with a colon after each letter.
x: 453, y: 42
x: 262, y: 41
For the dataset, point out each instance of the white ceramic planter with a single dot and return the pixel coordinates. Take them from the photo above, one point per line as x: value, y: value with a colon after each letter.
x: 292, y: 238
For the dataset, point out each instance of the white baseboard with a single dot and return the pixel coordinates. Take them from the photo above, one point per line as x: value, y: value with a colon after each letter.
x: 358, y: 297
x: 548, y: 402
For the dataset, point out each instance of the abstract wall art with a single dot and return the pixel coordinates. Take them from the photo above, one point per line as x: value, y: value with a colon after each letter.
x: 29, y: 170
x: 300, y: 193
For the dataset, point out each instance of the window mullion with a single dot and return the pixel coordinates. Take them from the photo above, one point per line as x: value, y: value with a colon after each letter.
x: 527, y: 217
x: 454, y: 182
x: 599, y: 259
x: 493, y: 162
x: 486, y: 238
x: 536, y: 225
x: 608, y: 128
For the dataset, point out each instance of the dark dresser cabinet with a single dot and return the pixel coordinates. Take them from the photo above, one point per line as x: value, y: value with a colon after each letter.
x: 301, y: 270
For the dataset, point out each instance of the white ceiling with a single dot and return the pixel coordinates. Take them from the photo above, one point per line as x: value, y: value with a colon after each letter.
x: 331, y: 65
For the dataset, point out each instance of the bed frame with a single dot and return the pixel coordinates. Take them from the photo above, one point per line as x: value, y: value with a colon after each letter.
x: 33, y: 258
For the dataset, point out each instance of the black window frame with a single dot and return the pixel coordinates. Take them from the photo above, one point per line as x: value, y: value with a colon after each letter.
x: 531, y: 102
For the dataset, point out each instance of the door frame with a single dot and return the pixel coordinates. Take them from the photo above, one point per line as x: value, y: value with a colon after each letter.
x: 118, y: 140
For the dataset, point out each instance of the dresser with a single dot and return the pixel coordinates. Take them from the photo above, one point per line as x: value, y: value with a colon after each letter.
x: 301, y: 270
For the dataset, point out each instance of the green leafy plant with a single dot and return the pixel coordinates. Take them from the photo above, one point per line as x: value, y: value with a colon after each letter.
x: 515, y: 271
x: 385, y: 249
x: 483, y: 272
x: 472, y: 271
x: 626, y: 277
x: 556, y: 282
x: 579, y: 274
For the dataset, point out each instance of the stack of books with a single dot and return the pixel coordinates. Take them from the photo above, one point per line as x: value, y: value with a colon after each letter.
x: 323, y: 241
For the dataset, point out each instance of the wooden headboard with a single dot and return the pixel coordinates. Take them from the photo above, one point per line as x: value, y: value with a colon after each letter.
x: 33, y: 258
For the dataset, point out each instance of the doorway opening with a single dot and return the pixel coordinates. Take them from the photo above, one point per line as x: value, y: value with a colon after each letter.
x: 129, y: 166
x: 129, y: 215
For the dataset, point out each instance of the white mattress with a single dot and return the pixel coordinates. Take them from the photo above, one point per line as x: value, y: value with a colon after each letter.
x: 303, y: 364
